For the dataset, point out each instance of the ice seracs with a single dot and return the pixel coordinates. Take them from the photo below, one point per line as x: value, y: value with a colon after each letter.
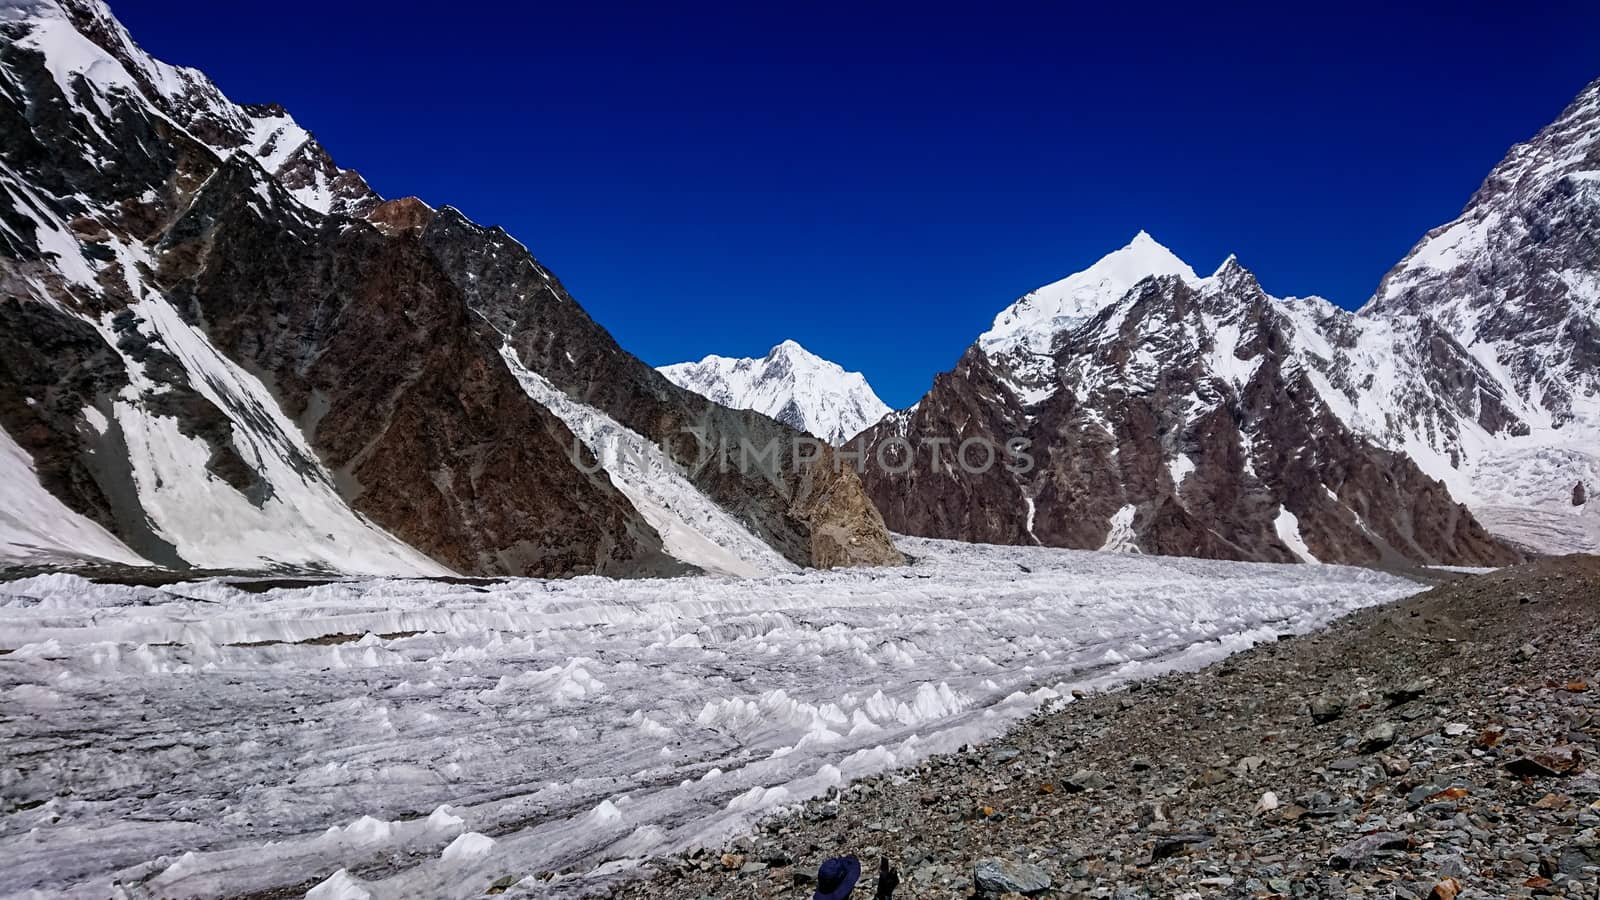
x: 790, y: 384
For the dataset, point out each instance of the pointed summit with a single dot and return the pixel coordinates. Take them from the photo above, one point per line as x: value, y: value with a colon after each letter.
x: 1231, y: 264
x: 1036, y: 318
x: 1232, y: 276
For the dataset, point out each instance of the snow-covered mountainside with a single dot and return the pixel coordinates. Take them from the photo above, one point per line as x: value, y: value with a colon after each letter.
x: 219, y: 349
x: 790, y: 384
x: 476, y: 732
x: 1515, y: 281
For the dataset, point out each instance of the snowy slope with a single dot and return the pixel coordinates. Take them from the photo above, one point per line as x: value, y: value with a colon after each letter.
x: 292, y: 514
x: 302, y: 520
x: 182, y: 95
x: 1177, y: 414
x: 531, y: 726
x: 693, y: 529
x: 37, y: 529
x: 790, y: 384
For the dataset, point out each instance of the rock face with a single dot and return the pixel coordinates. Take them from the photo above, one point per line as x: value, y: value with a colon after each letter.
x: 790, y: 384
x: 1184, y: 415
x: 226, y: 351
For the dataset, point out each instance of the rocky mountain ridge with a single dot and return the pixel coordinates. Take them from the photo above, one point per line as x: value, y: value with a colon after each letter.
x: 213, y: 358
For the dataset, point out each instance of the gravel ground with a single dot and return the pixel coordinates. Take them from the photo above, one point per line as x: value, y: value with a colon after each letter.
x: 1436, y: 747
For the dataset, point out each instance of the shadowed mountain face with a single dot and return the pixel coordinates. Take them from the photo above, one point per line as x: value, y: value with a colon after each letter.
x: 214, y: 355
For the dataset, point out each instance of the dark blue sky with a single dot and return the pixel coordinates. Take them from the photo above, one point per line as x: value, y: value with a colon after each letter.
x: 877, y: 182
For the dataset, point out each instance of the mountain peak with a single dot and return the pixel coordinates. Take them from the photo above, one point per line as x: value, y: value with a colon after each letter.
x: 793, y: 350
x: 791, y: 384
x: 1233, y: 278
x: 1033, y: 321
x: 1138, y: 259
x: 1230, y: 264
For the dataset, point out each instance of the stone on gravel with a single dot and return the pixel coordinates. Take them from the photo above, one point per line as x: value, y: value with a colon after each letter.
x: 1358, y: 852
x: 1547, y: 763
x: 1084, y: 780
x: 994, y: 876
x: 1394, y: 765
x: 1325, y: 709
x: 1379, y: 737
x: 1411, y: 690
x: 1446, y: 889
x: 1267, y: 803
x: 1174, y: 844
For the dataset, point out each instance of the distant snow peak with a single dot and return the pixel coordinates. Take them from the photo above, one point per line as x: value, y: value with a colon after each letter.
x: 1033, y: 321
x: 790, y: 384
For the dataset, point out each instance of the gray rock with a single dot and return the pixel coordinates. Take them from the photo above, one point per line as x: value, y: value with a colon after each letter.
x: 1360, y: 851
x: 1407, y: 692
x: 1325, y: 709
x: 994, y: 876
x: 1174, y: 844
x: 1084, y: 780
x: 1004, y: 754
x: 1378, y: 737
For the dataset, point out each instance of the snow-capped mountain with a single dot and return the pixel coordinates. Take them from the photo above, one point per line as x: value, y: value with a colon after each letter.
x: 219, y: 349
x: 1178, y: 414
x: 790, y: 384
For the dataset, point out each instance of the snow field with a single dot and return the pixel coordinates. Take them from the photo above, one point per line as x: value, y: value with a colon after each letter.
x: 416, y: 738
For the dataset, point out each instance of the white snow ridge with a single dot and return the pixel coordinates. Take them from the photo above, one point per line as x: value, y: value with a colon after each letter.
x: 409, y: 738
x: 790, y: 384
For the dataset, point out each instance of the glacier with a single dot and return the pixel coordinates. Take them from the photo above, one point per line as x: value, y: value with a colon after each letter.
x: 415, y: 737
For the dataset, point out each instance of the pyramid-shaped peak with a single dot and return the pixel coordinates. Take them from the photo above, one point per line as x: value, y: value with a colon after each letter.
x: 1139, y: 259
x: 1233, y: 276
x: 1033, y: 319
